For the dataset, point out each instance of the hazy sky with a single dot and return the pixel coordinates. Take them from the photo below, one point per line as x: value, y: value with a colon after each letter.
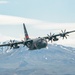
x: 38, y: 16
x: 45, y: 10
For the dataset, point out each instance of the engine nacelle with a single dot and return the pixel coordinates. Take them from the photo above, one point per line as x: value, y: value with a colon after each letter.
x: 55, y: 39
x: 15, y: 46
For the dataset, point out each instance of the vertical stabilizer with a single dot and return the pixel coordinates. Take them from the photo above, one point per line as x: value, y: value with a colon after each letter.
x: 25, y: 32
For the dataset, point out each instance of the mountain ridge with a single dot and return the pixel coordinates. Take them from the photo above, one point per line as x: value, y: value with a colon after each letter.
x: 57, y: 59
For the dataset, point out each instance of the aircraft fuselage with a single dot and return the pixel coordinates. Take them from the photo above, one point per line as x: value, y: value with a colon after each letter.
x: 37, y: 43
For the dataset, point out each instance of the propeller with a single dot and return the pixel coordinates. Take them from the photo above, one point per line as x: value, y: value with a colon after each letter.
x: 64, y: 34
x: 10, y: 42
x: 50, y: 37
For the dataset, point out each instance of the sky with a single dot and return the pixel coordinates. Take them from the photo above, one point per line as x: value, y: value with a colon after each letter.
x: 45, y: 10
x: 40, y: 16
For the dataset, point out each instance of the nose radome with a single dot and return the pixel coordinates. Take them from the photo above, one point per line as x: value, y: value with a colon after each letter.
x: 44, y: 43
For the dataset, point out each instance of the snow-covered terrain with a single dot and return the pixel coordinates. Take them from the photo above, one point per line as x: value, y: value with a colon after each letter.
x: 56, y: 60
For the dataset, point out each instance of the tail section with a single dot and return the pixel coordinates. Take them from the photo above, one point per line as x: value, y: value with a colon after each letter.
x: 25, y: 32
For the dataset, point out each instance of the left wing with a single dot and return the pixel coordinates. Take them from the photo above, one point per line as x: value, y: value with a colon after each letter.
x: 53, y: 37
x: 12, y: 44
x: 9, y: 44
x: 15, y: 44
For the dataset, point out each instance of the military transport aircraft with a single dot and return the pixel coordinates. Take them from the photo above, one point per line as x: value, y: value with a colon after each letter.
x: 37, y: 43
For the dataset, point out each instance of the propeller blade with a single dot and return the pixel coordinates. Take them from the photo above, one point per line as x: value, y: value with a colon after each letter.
x: 64, y: 30
x: 11, y: 47
x: 50, y: 37
x: 50, y: 33
x: 65, y: 37
x: 51, y: 40
x: 63, y: 34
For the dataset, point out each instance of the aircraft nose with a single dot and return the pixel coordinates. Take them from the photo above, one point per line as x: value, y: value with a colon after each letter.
x: 44, y: 43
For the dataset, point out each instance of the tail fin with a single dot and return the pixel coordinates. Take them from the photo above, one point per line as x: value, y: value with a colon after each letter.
x: 25, y: 32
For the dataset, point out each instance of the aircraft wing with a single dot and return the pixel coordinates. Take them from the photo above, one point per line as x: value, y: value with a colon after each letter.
x: 15, y: 44
x: 9, y: 44
x: 53, y: 37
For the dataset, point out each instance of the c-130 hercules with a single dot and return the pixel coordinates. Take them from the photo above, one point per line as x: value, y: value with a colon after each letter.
x: 37, y: 43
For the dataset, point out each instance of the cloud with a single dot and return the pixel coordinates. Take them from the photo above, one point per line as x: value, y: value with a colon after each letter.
x: 56, y: 26
x: 4, y: 38
x: 11, y: 20
x: 3, y: 2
